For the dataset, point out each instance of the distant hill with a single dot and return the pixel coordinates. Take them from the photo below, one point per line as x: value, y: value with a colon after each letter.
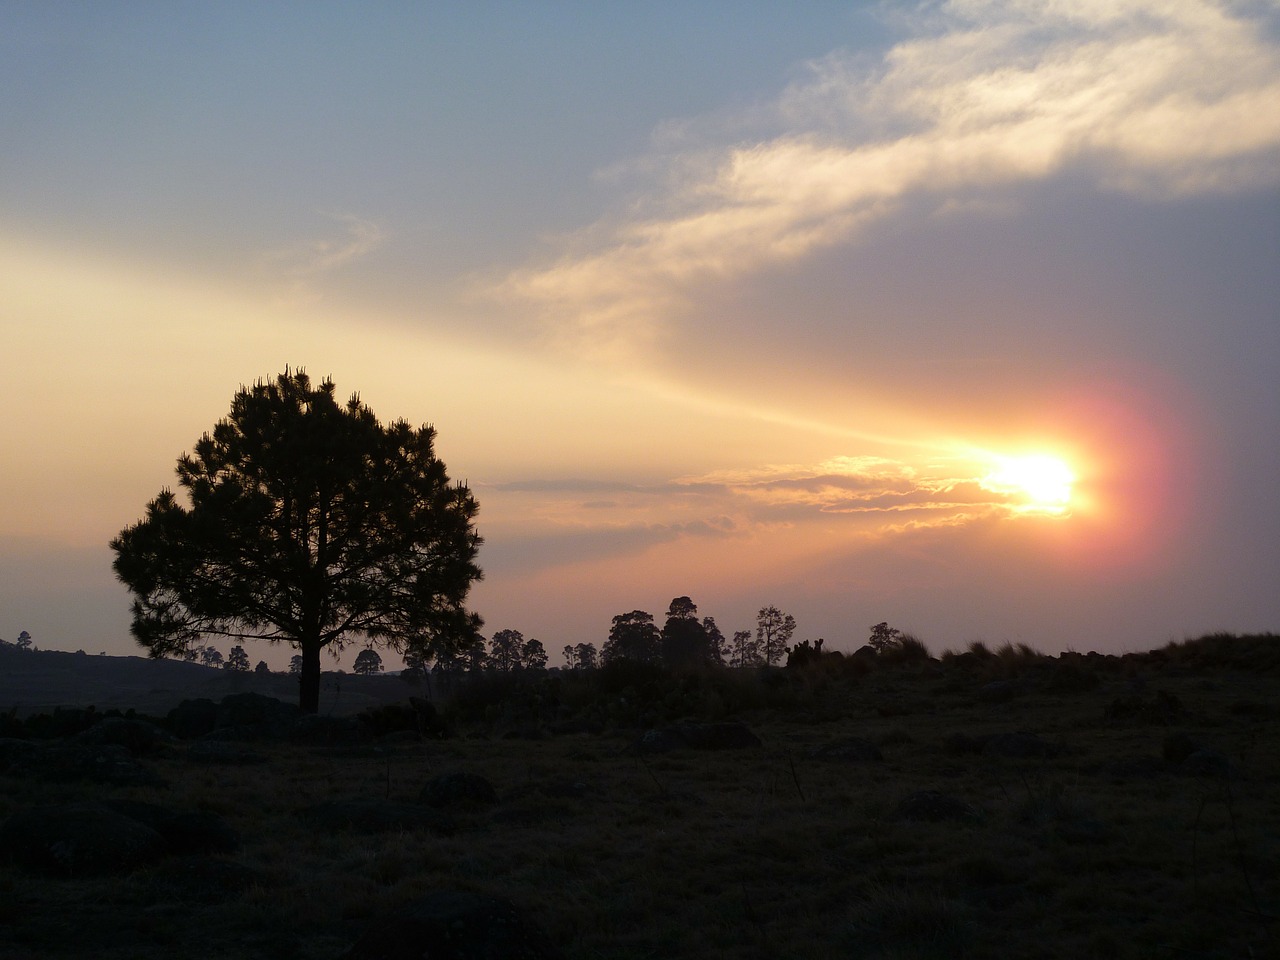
x: 38, y: 681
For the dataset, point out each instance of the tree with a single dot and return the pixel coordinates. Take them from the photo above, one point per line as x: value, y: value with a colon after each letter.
x: 210, y: 657
x: 506, y: 649
x: 884, y: 637
x: 717, y: 645
x: 745, y: 653
x: 533, y: 655
x: 295, y: 665
x: 684, y: 640
x: 570, y: 656
x: 24, y: 641
x: 237, y: 660
x: 773, y: 631
x: 368, y: 663
x: 587, y: 657
x: 262, y: 669
x: 309, y: 523
x: 633, y: 636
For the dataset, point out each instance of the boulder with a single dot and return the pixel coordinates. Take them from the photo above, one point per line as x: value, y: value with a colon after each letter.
x: 934, y: 805
x: 344, y: 731
x: 730, y: 735
x: 454, y: 925
x: 78, y: 839
x: 374, y: 816
x: 185, y: 831
x: 460, y: 789
x: 1020, y: 746
x: 139, y: 737
x: 192, y: 719
x: 848, y: 748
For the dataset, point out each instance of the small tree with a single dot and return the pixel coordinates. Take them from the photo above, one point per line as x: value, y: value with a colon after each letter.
x: 295, y: 665
x: 237, y: 660
x: 746, y: 652
x: 210, y: 657
x: 262, y: 669
x: 884, y: 637
x: 773, y: 631
x: 570, y: 656
x: 368, y: 663
x: 24, y: 641
x: 309, y: 523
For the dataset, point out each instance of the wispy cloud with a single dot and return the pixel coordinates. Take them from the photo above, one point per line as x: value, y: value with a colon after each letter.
x: 847, y: 497
x: 1160, y: 98
x: 350, y: 239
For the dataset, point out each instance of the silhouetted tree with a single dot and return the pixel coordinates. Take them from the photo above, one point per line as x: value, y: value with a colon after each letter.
x: 237, y: 660
x: 587, y: 657
x: 633, y: 636
x: 773, y: 629
x: 505, y: 650
x: 746, y: 652
x: 533, y: 656
x: 24, y: 641
x: 309, y: 523
x: 262, y: 669
x: 570, y: 656
x: 367, y: 663
x: 684, y: 640
x: 717, y: 645
x: 295, y: 665
x: 476, y: 657
x: 884, y: 637
x: 415, y: 666
x: 210, y: 657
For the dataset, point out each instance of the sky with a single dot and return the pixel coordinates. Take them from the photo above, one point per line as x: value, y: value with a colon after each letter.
x: 958, y: 315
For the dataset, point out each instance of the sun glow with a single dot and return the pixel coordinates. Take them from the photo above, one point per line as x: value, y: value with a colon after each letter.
x: 1041, y: 482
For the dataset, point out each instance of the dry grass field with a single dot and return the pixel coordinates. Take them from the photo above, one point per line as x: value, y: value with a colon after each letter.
x: 1021, y: 807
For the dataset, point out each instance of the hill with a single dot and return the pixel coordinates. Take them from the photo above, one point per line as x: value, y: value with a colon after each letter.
x: 39, y: 681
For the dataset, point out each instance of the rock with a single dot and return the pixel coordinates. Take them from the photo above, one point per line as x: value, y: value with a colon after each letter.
x: 458, y: 790
x: 192, y: 719
x: 78, y: 839
x: 1000, y: 691
x: 933, y: 805
x: 139, y: 737
x: 185, y: 831
x: 251, y: 716
x: 1209, y: 763
x: 730, y: 735
x: 848, y: 748
x: 316, y: 729
x: 453, y: 925
x: 222, y: 752
x: 198, y: 879
x: 1177, y: 747
x: 374, y: 816
x: 1021, y: 746
x: 14, y: 753
x: 65, y: 762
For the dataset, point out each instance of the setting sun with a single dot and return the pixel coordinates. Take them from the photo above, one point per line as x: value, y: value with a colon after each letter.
x: 1042, y: 481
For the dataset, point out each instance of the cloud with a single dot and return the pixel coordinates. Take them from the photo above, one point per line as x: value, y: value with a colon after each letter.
x: 307, y: 261
x: 1159, y: 98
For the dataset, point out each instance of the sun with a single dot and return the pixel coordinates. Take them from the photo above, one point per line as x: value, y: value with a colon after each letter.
x: 1042, y: 482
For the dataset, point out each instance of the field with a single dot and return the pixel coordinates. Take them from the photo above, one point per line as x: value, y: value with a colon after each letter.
x: 997, y: 806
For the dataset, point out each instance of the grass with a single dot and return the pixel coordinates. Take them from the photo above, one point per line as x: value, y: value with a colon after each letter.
x: 1102, y: 851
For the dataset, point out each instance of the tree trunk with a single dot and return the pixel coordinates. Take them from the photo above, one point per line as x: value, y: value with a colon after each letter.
x: 309, y: 679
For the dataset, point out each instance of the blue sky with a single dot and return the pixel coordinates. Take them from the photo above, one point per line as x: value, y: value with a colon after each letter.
x: 719, y: 300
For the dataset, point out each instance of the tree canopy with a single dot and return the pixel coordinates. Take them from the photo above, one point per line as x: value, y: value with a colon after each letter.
x: 308, y: 522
